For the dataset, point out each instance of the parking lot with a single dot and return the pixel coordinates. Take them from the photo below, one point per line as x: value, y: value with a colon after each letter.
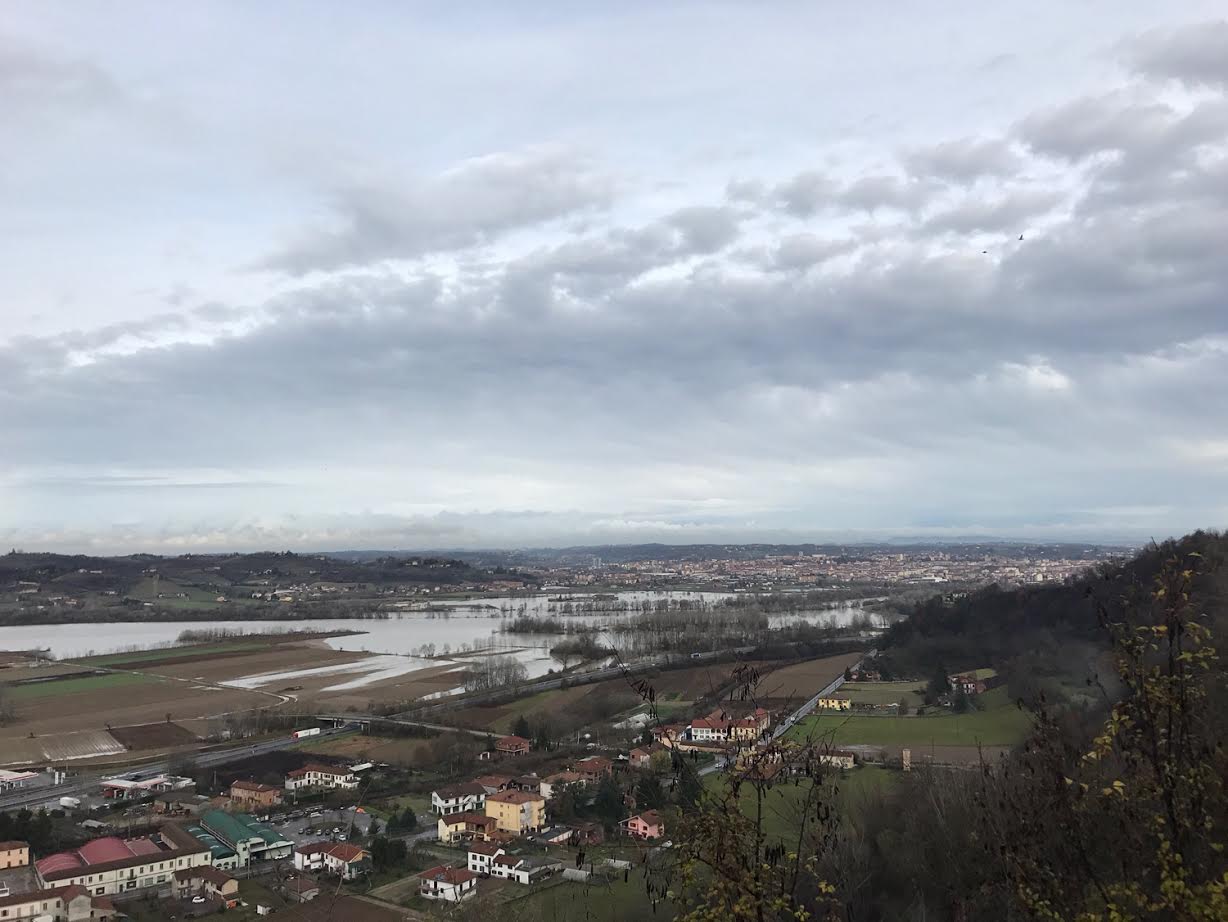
x: 307, y: 825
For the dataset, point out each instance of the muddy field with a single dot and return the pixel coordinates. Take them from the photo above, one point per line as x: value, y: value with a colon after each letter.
x: 154, y: 736
x: 124, y: 705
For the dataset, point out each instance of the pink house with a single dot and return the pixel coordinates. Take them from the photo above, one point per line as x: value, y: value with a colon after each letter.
x: 646, y: 825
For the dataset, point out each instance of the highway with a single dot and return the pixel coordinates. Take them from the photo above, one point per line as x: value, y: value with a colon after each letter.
x: 87, y: 783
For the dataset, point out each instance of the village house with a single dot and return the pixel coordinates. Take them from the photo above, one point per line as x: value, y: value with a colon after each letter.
x: 709, y: 730
x: 447, y: 883
x: 523, y: 870
x: 72, y: 903
x: 517, y: 812
x: 841, y: 758
x: 14, y: 854
x: 669, y: 734
x: 835, y: 702
x: 481, y: 854
x: 552, y: 784
x: 340, y: 859
x: 248, y: 795
x: 458, y: 798
x: 594, y: 768
x: 457, y: 826
x: 209, y: 882
x: 513, y: 746
x: 493, y: 783
x: 967, y: 683
x: 530, y: 783
x: 315, y: 775
x: 646, y: 825
x: 639, y: 757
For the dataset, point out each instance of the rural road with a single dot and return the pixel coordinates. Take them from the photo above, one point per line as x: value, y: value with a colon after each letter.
x: 785, y: 725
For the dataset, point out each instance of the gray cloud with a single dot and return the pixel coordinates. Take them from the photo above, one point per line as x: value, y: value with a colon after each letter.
x: 705, y: 229
x: 965, y: 160
x: 468, y: 205
x: 807, y: 354
x: 34, y: 77
x: 1195, y: 54
x: 806, y: 193
x: 1011, y: 212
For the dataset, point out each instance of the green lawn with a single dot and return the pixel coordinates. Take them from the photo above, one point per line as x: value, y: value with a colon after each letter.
x: 864, y: 781
x: 1000, y: 724
x: 421, y: 803
x: 595, y: 901
x: 783, y: 802
x: 71, y: 686
x: 884, y: 692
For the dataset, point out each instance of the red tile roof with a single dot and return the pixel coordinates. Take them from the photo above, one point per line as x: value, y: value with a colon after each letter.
x: 449, y: 875
x: 515, y: 797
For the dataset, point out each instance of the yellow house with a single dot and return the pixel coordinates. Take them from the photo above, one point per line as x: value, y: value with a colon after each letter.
x: 457, y: 826
x: 520, y: 812
x: 835, y: 702
x: 14, y: 855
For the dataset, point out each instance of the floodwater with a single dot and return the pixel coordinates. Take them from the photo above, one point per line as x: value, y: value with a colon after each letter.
x: 457, y: 629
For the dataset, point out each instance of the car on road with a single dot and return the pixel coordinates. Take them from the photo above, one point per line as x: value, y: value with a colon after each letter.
x: 198, y: 899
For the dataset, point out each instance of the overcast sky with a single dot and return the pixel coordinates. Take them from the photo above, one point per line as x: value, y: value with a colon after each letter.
x: 320, y: 275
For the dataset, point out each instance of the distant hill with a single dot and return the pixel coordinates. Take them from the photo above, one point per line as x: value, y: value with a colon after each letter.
x: 624, y: 553
x: 43, y: 587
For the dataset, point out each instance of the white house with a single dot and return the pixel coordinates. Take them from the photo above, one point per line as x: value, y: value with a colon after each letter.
x: 709, y: 730
x: 315, y: 775
x: 340, y: 858
x: 459, y: 798
x: 481, y: 854
x: 447, y: 883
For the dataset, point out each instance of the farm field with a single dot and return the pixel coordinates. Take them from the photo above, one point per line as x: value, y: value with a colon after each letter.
x: 117, y: 699
x: 1000, y: 724
x: 500, y: 718
x: 71, y: 686
x: 154, y: 736
x: 800, y: 681
x: 595, y: 901
x: 881, y: 693
x: 405, y: 751
x: 148, y: 658
x: 784, y: 801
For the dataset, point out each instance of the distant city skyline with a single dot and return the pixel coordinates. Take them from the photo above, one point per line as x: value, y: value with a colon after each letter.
x: 474, y: 276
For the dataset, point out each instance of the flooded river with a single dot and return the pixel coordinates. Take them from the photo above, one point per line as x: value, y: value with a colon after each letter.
x: 456, y: 627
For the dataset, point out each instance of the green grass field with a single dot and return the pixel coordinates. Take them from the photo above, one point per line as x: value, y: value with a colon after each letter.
x: 72, y: 686
x: 151, y: 657
x: 596, y: 901
x: 783, y: 802
x: 999, y: 724
x: 884, y: 692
